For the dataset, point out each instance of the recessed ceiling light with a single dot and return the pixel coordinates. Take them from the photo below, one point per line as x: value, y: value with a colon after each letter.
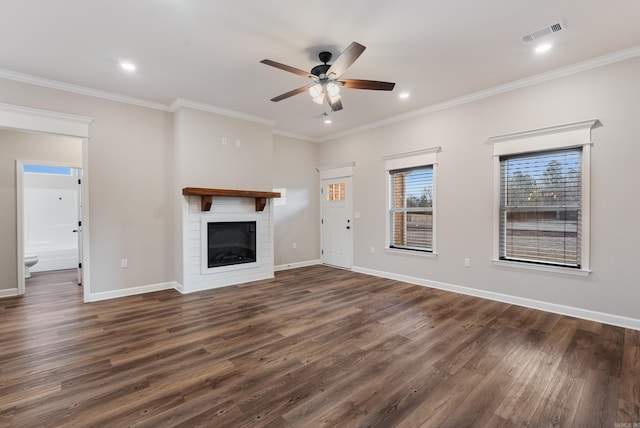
x: 543, y: 48
x: 403, y: 95
x: 128, y: 66
x: 328, y: 121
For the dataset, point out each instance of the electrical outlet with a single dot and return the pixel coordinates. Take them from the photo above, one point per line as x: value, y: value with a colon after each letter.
x: 372, y: 250
x: 467, y: 262
x: 295, y: 245
x: 238, y: 143
x: 124, y: 263
x: 224, y: 141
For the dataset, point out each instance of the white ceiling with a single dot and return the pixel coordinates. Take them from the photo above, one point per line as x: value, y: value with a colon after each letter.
x: 209, y: 51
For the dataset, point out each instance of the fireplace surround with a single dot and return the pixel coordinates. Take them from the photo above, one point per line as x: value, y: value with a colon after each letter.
x: 228, y: 206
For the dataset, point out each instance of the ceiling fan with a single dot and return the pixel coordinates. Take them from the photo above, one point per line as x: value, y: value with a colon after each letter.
x: 326, y: 78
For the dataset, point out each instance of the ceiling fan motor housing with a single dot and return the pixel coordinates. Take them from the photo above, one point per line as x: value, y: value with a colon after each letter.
x: 324, y: 57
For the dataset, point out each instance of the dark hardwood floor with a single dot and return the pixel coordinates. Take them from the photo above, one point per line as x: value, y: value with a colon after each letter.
x: 313, y: 347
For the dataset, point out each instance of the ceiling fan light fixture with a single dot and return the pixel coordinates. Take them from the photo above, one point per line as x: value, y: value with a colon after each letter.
x: 315, y: 91
x: 332, y: 89
x: 334, y: 98
x: 319, y: 99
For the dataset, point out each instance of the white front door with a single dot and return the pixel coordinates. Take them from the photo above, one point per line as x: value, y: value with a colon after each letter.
x: 337, y: 222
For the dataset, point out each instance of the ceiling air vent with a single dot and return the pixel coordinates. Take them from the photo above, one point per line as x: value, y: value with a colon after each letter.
x: 550, y: 29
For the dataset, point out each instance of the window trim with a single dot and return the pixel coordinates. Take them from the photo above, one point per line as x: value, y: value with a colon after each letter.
x: 565, y: 136
x: 413, y: 159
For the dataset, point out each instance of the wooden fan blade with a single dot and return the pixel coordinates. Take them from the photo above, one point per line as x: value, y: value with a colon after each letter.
x: 336, y: 106
x: 289, y: 94
x: 288, y: 68
x: 346, y: 58
x: 368, y: 84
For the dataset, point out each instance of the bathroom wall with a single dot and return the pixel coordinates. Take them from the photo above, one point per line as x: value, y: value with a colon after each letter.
x: 50, y: 218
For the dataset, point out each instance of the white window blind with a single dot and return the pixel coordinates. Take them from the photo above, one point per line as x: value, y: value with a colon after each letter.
x: 541, y: 207
x: 411, y: 208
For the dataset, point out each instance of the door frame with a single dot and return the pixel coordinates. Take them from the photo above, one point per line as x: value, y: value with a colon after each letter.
x: 28, y: 119
x: 330, y: 172
x: 20, y: 163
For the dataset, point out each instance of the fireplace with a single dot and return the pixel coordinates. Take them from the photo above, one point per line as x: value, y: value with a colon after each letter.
x: 230, y: 243
x: 249, y: 241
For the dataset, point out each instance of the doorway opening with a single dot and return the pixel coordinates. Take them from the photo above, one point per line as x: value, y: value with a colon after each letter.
x: 51, y: 197
x: 28, y: 120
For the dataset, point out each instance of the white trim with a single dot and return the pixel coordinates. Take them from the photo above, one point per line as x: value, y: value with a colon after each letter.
x: 19, y: 117
x: 541, y: 268
x: 562, y: 136
x: 336, y: 170
x: 77, y: 89
x: 553, y: 129
x: 411, y: 253
x: 416, y: 158
x: 181, y: 102
x: 133, y: 291
x: 20, y: 163
x: 296, y: 136
x: 8, y: 292
x: 411, y: 159
x: 297, y: 265
x: 566, y: 135
x: 602, y: 317
x: 569, y: 70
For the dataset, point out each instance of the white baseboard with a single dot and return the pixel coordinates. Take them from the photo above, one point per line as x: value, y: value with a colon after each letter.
x: 297, y: 265
x: 616, y: 320
x: 132, y: 291
x: 9, y: 292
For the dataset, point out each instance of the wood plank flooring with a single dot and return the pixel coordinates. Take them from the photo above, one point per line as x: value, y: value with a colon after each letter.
x: 313, y: 347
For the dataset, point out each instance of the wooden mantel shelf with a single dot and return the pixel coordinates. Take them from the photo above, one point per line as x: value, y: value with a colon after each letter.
x: 206, y: 196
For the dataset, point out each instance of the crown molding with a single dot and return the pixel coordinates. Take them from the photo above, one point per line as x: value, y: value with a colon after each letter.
x: 77, y: 89
x: 569, y: 70
x: 182, y: 102
x: 296, y: 136
x: 601, y: 61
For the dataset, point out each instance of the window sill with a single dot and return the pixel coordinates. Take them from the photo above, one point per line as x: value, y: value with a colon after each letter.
x: 542, y: 268
x: 411, y: 253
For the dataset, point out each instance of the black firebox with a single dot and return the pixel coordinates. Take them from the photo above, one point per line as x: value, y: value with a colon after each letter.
x: 231, y: 243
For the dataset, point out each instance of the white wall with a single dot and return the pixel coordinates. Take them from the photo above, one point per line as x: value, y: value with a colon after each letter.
x: 465, y: 189
x: 297, y: 214
x: 50, y: 216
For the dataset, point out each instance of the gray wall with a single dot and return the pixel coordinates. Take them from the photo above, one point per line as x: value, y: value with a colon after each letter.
x: 140, y: 157
x: 297, y: 216
x: 130, y: 153
x: 465, y: 188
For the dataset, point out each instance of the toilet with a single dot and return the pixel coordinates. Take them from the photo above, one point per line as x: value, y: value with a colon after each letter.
x: 29, y: 261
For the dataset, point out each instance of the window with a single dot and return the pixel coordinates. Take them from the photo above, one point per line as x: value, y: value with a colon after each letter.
x: 542, y: 194
x: 335, y: 192
x: 541, y: 207
x: 411, y: 201
x: 411, y: 210
x: 46, y: 169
